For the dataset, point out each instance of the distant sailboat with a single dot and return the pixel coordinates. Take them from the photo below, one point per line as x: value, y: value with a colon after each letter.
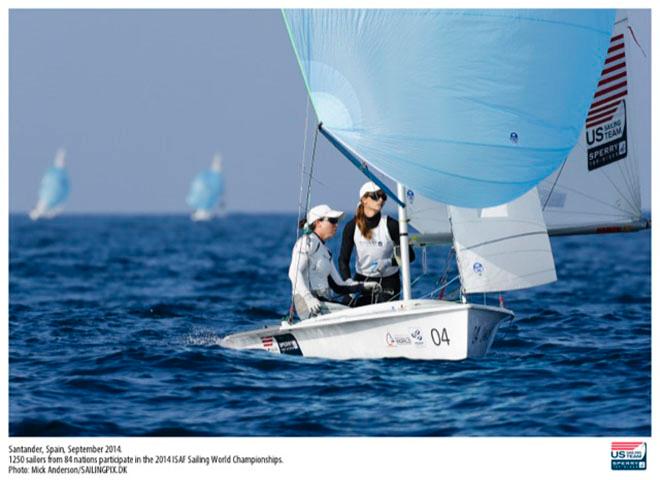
x: 206, y: 192
x: 54, y: 189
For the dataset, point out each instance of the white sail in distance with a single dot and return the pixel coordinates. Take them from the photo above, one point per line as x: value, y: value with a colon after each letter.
x: 207, y: 191
x: 54, y: 189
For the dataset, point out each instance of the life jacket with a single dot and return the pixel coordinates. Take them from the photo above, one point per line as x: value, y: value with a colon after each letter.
x: 319, y: 265
x: 370, y: 251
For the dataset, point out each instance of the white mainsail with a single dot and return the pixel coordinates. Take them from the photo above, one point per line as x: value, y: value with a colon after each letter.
x: 597, y: 188
x: 502, y: 248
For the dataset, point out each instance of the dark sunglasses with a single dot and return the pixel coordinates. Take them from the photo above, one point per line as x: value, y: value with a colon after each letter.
x: 377, y: 195
x: 334, y: 221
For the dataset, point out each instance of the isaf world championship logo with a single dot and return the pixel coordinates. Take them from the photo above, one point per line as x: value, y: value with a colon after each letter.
x: 628, y: 455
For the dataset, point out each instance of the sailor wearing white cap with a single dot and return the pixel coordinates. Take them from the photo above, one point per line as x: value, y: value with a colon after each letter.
x: 374, y: 237
x: 315, y: 281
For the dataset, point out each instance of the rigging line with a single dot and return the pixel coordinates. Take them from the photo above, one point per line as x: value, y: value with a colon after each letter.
x: 627, y: 182
x: 627, y: 176
x: 411, y: 285
x: 311, y: 171
x: 309, y: 197
x: 632, y: 32
x: 594, y: 199
x: 316, y: 180
x: 302, y: 164
x: 561, y: 169
x: 436, y: 290
x: 624, y: 163
x: 632, y: 207
x: 632, y: 167
x: 300, y: 194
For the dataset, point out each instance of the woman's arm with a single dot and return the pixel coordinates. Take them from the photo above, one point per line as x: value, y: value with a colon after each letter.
x: 347, y: 244
x: 299, y: 265
x: 393, y: 229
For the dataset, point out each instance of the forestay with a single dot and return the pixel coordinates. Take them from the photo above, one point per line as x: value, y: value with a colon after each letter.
x: 467, y: 107
x: 502, y: 248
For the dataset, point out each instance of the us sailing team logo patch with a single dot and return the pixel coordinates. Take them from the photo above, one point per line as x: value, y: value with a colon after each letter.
x: 607, y: 137
x: 628, y: 455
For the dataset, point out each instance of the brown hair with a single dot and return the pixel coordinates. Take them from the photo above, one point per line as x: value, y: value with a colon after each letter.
x: 303, y: 221
x: 361, y: 221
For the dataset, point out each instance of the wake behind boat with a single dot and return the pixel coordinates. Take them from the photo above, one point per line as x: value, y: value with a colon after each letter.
x: 416, y: 329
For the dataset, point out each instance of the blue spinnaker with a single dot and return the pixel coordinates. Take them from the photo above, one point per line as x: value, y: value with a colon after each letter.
x: 467, y: 107
x: 54, y: 188
x: 205, y: 190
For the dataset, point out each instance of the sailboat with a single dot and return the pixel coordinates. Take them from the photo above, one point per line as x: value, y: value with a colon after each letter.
x: 206, y: 191
x: 54, y: 189
x: 471, y: 109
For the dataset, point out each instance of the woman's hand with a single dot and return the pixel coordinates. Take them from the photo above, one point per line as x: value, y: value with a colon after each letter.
x: 372, y: 287
x: 313, y: 305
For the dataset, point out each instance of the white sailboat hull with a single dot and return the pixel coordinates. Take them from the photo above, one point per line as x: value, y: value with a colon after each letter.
x: 416, y: 329
x: 201, y: 215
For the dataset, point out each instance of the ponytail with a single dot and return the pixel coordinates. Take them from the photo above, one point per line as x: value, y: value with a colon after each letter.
x: 361, y: 221
x: 306, y: 228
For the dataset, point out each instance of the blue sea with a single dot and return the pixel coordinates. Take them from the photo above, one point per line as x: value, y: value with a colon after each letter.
x: 114, y: 323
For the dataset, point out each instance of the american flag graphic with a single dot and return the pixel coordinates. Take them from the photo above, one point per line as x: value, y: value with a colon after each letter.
x: 625, y: 445
x: 267, y: 342
x: 613, y: 84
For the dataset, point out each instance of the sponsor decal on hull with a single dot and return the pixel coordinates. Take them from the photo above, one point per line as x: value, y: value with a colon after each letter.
x: 288, y: 344
x: 413, y: 337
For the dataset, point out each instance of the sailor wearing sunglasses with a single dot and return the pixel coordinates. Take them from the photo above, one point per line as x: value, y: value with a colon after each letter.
x: 317, y: 286
x: 374, y: 237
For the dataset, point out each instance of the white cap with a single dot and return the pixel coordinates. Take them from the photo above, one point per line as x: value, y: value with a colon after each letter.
x: 322, y: 211
x: 368, y: 187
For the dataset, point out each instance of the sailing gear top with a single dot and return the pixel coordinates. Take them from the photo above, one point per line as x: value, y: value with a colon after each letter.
x: 375, y: 257
x: 312, y: 272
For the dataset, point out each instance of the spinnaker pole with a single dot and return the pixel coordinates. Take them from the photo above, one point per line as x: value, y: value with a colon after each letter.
x: 403, y: 242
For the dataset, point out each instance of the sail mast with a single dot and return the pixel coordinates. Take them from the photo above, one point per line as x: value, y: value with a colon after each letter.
x: 403, y: 242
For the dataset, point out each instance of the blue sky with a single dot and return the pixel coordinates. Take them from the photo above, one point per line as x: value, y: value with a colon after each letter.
x: 142, y: 99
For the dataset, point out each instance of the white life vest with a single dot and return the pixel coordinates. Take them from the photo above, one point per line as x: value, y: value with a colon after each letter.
x: 372, y: 253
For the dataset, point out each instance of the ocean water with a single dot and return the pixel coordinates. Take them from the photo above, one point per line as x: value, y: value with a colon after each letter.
x: 114, y: 323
